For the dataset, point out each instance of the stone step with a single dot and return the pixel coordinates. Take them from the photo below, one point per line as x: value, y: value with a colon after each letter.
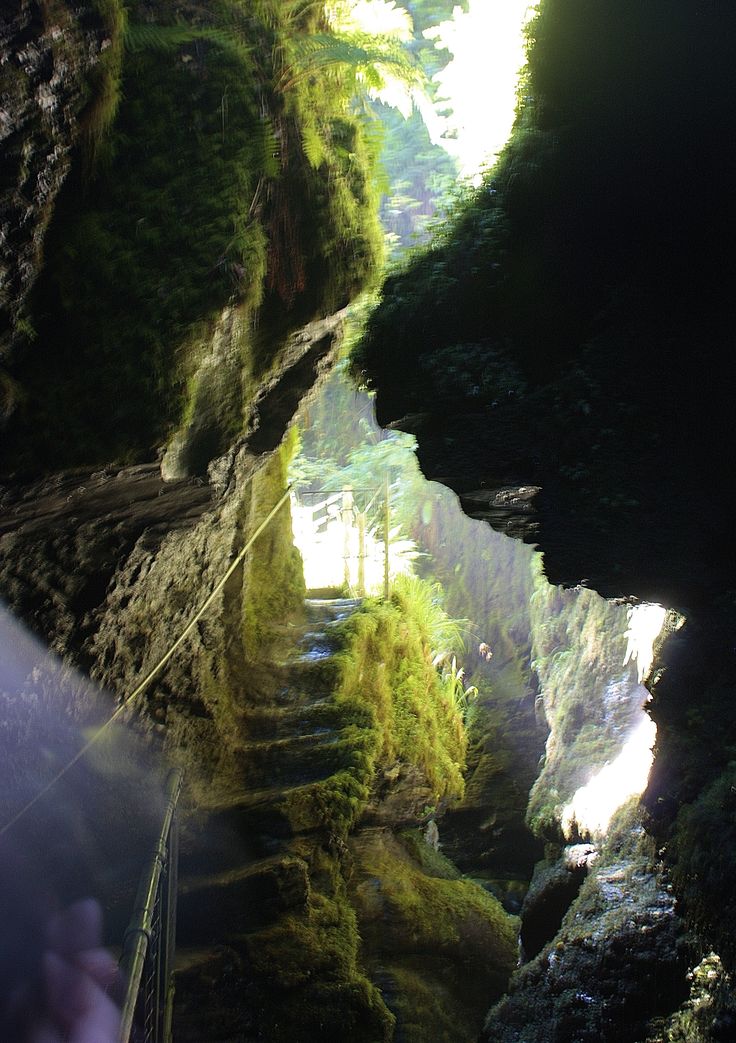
x: 221, y: 906
x: 212, y: 1000
x: 335, y: 609
x: 258, y: 814
x: 313, y: 672
x: 290, y: 762
x: 274, y: 722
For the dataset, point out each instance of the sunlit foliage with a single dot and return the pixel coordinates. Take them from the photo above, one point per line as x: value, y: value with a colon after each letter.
x: 387, y: 667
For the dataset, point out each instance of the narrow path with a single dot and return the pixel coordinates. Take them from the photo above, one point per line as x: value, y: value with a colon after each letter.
x: 241, y: 874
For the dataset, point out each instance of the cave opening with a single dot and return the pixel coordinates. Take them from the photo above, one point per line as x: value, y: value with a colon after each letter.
x: 559, y: 738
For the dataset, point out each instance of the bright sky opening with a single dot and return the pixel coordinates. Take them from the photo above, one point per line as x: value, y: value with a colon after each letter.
x: 479, y: 84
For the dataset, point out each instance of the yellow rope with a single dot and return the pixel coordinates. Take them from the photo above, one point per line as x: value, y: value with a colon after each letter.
x: 152, y: 673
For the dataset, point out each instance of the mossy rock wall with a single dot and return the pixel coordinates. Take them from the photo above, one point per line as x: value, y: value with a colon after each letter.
x: 198, y: 205
x: 60, y: 73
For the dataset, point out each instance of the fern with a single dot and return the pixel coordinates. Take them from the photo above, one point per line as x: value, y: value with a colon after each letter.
x: 167, y: 38
x: 268, y: 147
x: 313, y: 145
x: 363, y: 54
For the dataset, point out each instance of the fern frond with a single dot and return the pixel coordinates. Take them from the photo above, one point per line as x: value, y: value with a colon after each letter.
x: 268, y: 148
x: 168, y: 38
x: 313, y: 145
x: 358, y: 51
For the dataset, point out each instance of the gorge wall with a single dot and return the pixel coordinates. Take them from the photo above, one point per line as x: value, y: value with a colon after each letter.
x: 187, y: 214
x: 571, y: 371
x: 191, y: 261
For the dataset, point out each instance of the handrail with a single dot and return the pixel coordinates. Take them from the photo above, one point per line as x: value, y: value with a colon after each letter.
x: 140, y: 930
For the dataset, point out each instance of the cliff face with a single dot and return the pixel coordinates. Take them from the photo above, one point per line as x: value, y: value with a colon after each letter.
x: 195, y: 264
x: 195, y: 223
x: 50, y: 55
x: 572, y: 374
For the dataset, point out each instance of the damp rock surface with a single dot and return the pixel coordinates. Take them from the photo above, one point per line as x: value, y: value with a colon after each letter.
x: 618, y: 961
x: 46, y: 54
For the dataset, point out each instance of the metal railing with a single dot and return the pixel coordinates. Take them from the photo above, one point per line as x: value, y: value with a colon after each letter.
x: 147, y: 958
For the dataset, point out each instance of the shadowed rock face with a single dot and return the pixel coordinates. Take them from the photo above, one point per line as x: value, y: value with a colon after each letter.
x: 46, y: 53
x: 631, y: 462
x: 575, y: 338
x: 618, y: 961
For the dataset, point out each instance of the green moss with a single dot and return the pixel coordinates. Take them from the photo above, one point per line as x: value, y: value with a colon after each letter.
x: 703, y: 849
x: 708, y: 1010
x: 274, y: 580
x: 387, y: 665
x: 104, y: 82
x: 430, y: 859
x: 437, y: 913
x: 392, y: 705
x: 143, y: 255
x: 591, y: 700
x: 309, y: 964
x: 441, y: 946
x: 198, y: 194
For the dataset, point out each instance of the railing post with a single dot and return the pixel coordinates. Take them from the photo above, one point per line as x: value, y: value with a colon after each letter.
x: 386, y: 531
x: 361, y: 555
x: 347, y: 521
x: 172, y: 887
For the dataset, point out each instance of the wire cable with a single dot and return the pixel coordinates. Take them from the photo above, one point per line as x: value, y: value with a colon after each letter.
x: 152, y: 673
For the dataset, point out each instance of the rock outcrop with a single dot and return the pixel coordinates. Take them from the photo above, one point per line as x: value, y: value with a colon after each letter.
x: 49, y: 55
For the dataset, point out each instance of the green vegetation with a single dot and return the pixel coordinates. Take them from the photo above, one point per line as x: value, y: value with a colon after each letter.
x: 388, y: 667
x: 201, y: 193
x: 273, y: 581
x: 618, y: 962
x: 590, y: 699
x: 703, y: 850
x: 708, y: 1009
x: 394, y: 707
x: 435, y: 910
x: 421, y: 178
x: 104, y: 81
x: 422, y: 929
x: 322, y: 992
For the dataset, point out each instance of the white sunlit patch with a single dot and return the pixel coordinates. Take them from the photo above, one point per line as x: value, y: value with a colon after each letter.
x: 645, y: 626
x: 488, y: 48
x: 478, y: 86
x: 592, y: 807
x: 380, y: 17
x: 331, y: 549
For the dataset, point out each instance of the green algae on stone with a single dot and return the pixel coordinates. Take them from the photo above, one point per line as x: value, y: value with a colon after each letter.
x: 273, y: 578
x: 307, y: 976
x: 618, y: 961
x: 440, y: 947
x: 190, y: 206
